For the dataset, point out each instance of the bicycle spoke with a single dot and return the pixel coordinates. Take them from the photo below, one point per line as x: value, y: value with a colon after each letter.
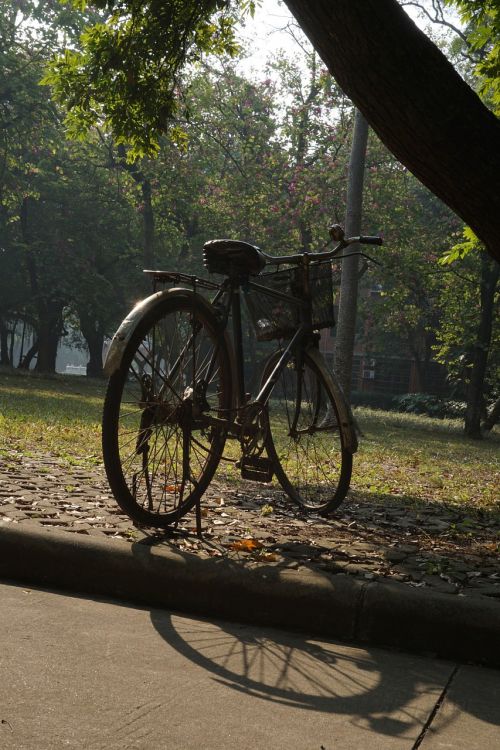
x: 177, y: 370
x: 311, y: 464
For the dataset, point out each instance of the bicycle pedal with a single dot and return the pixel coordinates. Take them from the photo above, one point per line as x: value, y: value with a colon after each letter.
x: 257, y: 468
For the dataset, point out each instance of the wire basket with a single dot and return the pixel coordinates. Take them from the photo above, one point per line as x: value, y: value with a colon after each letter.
x: 275, y: 318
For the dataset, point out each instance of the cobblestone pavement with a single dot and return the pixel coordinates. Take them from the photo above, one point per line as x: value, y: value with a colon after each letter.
x: 422, y: 545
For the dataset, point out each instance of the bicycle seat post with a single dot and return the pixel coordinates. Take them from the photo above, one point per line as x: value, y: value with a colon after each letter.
x: 235, y: 279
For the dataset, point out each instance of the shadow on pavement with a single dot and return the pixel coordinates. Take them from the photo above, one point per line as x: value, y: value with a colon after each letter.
x: 380, y: 691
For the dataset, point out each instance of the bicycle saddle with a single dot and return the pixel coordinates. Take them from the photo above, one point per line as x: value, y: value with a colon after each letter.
x: 226, y: 256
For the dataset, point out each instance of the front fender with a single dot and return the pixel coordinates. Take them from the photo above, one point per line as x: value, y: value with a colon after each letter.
x: 128, y: 326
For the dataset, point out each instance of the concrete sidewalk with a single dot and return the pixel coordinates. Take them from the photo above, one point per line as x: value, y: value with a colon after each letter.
x: 340, y: 606
x: 80, y: 673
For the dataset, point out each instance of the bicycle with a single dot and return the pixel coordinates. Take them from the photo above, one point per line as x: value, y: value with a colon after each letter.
x: 176, y: 390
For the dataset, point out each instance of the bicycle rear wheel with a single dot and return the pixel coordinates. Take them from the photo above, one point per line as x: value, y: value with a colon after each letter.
x: 164, y: 412
x: 305, y: 441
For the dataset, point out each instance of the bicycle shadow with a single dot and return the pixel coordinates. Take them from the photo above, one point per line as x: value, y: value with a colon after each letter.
x: 382, y: 691
x: 376, y: 691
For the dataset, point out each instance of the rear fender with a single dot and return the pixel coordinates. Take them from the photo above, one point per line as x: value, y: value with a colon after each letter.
x: 129, y: 325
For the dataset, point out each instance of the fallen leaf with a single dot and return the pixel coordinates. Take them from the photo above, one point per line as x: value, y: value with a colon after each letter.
x: 246, y: 545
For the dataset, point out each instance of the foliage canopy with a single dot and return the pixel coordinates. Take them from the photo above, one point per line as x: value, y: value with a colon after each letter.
x: 482, y: 18
x: 125, y: 74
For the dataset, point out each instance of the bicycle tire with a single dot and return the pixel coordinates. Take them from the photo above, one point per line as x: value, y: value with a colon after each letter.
x: 311, y: 461
x: 154, y: 406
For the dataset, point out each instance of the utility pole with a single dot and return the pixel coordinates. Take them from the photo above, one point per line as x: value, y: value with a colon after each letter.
x: 346, y: 322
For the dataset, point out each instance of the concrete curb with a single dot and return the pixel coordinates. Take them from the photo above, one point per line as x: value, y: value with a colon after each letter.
x: 375, y: 613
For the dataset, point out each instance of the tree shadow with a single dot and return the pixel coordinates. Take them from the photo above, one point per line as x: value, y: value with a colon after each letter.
x: 443, y: 535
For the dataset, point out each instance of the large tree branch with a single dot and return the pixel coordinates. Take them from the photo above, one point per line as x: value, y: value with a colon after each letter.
x: 416, y: 102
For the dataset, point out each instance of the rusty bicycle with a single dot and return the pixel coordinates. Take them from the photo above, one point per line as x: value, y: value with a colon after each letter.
x: 177, y: 392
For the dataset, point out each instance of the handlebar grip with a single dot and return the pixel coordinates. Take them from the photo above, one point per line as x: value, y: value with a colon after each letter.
x: 371, y: 240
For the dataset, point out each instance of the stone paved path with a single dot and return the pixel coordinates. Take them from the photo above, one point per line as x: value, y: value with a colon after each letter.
x: 425, y: 545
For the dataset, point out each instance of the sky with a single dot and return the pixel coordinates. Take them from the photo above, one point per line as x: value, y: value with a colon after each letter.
x: 267, y: 33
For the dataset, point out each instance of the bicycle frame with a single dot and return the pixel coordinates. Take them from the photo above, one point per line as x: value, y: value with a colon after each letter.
x: 303, y: 340
x: 230, y: 289
x: 177, y: 386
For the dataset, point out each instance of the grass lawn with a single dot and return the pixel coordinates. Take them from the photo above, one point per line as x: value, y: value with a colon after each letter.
x: 426, y: 459
x: 401, y: 456
x: 59, y: 414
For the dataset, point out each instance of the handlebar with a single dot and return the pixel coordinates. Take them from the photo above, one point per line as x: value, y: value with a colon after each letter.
x: 367, y: 240
x: 336, y: 234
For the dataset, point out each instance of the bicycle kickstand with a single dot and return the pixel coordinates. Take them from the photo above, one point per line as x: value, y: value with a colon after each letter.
x: 198, y: 518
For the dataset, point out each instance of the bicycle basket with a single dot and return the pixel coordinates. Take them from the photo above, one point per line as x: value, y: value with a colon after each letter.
x: 276, y: 318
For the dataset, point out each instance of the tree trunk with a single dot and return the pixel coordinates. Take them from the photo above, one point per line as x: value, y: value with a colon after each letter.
x: 303, y: 142
x: 415, y: 101
x: 21, y: 351
x: 26, y: 360
x: 94, y: 337
x: 305, y: 236
x: 421, y: 368
x: 4, y: 344
x: 49, y: 332
x: 419, y: 342
x: 49, y: 307
x: 12, y: 341
x: 48, y: 341
x: 94, y: 365
x: 346, y: 322
x: 490, y: 272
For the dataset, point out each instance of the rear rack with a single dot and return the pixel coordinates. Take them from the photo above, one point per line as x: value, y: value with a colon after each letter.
x: 174, y: 277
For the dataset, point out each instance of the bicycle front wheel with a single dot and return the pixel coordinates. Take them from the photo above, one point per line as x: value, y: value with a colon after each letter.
x: 165, y: 411
x: 305, y: 441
